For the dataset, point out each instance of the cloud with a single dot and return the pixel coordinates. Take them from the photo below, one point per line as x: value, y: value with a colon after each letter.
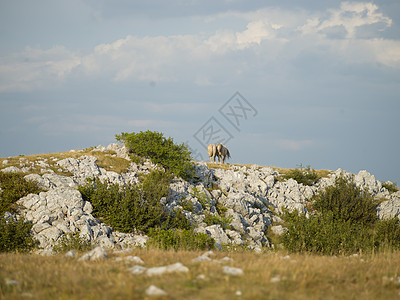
x: 347, y: 19
x: 35, y: 68
x: 348, y: 34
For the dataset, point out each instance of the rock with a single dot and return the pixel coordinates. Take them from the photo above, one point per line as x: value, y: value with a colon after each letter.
x: 201, y: 258
x: 97, y: 253
x: 11, y: 169
x: 278, y: 230
x: 174, y: 268
x: 70, y: 254
x: 134, y: 259
x: 155, y: 291
x: 232, y: 271
x: 389, y: 209
x: 216, y: 232
x: 137, y: 270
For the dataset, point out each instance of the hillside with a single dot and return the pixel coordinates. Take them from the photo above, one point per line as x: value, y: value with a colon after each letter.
x: 234, y: 204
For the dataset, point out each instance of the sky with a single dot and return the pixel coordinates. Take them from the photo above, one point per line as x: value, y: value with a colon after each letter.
x: 282, y: 83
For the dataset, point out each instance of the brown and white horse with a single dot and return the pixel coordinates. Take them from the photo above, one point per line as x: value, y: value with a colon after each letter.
x: 222, y: 152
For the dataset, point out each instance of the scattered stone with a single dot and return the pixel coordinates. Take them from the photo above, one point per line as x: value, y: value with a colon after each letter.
x: 201, y: 258
x: 174, y: 268
x: 11, y: 282
x: 134, y: 259
x: 232, y: 271
x: 97, y: 253
x: 201, y: 277
x: 155, y: 291
x: 278, y: 230
x: 11, y: 169
x: 70, y: 254
x: 275, y: 279
x: 137, y: 270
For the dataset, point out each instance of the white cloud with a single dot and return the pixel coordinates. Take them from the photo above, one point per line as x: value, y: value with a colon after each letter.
x: 350, y: 16
x: 271, y: 37
x: 35, y: 68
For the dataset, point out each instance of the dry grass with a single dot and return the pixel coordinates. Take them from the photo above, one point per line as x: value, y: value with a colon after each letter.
x: 105, y: 160
x: 320, y: 173
x: 266, y: 276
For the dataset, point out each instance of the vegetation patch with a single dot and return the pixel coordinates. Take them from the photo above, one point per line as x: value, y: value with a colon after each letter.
x: 390, y: 186
x: 72, y: 242
x: 344, y: 221
x: 161, y: 150
x: 134, y: 206
x: 13, y: 187
x: 15, y: 235
x: 183, y: 239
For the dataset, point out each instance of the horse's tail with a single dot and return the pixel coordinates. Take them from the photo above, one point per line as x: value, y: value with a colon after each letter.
x: 227, y: 153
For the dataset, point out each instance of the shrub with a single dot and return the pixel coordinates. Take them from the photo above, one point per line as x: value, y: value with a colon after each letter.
x: 390, y: 186
x: 211, y: 219
x: 180, y: 240
x: 346, y: 202
x: 305, y: 176
x: 161, y: 150
x: 323, y: 234
x: 13, y: 187
x: 388, y: 234
x: 15, y: 235
x: 344, y: 222
x: 72, y: 242
x: 134, y: 206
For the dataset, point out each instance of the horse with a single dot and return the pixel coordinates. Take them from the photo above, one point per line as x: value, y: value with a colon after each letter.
x: 212, y: 152
x: 222, y: 152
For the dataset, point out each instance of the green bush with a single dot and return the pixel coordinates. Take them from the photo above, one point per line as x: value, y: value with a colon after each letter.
x: 72, y: 242
x: 15, y: 235
x: 324, y: 235
x: 346, y: 202
x: 179, y: 240
x: 211, y: 219
x: 388, y: 234
x: 134, y: 206
x: 161, y: 150
x: 305, y: 176
x: 344, y: 221
x: 13, y: 187
x: 390, y: 186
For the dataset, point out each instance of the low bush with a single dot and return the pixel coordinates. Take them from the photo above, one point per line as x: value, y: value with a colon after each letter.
x: 390, y: 186
x: 323, y: 234
x: 15, y: 235
x: 179, y: 240
x: 387, y: 235
x: 305, y: 176
x: 346, y: 202
x: 343, y: 222
x: 134, y: 206
x: 211, y: 219
x: 13, y: 187
x: 149, y: 144
x: 72, y: 242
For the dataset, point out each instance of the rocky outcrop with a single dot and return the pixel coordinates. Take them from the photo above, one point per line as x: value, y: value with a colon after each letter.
x: 235, y: 206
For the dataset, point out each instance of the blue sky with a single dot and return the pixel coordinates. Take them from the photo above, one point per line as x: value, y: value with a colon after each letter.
x: 318, y: 81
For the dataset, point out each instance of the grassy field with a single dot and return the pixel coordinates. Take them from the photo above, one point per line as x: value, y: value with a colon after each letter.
x: 266, y: 276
